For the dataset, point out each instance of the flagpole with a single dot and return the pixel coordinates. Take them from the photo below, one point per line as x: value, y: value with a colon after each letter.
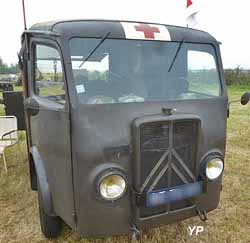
x: 25, y: 89
x: 24, y: 15
x: 25, y: 25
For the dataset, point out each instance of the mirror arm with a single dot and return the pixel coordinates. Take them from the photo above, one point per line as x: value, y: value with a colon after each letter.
x: 234, y: 101
x: 231, y: 102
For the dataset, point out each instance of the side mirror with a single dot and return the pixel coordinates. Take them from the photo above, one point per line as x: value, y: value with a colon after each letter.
x: 245, y: 98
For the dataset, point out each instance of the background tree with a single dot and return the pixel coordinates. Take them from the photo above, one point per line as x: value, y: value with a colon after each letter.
x: 8, y: 69
x: 1, y: 61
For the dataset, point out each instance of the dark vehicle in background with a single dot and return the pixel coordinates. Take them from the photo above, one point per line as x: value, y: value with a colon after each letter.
x: 126, y: 124
x: 7, y: 82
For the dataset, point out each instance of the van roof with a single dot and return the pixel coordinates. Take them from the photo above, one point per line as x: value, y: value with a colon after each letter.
x: 98, y: 28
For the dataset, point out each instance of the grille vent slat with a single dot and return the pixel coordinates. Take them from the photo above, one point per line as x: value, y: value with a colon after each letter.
x: 154, y: 142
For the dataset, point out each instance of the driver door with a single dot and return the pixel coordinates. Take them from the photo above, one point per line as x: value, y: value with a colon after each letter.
x: 48, y: 114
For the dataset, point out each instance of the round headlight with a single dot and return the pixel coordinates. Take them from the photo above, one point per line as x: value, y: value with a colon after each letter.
x: 112, y: 187
x: 214, y: 168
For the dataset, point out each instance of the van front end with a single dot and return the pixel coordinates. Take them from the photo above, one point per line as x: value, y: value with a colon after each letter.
x: 147, y: 112
x: 139, y: 173
x: 148, y: 127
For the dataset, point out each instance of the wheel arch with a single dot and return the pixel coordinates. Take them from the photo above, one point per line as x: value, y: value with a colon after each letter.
x: 38, y: 172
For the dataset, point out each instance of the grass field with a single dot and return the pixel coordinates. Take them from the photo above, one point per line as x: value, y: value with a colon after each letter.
x: 19, y: 220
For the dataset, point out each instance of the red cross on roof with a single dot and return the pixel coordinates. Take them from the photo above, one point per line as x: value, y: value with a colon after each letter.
x: 147, y: 30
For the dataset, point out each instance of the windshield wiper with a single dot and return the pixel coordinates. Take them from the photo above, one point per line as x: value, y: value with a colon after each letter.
x: 176, y: 54
x: 97, y: 46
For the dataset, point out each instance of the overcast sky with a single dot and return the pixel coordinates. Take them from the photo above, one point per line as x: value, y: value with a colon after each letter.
x: 227, y: 20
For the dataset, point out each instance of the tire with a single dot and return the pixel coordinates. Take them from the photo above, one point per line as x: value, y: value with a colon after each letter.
x: 51, y: 226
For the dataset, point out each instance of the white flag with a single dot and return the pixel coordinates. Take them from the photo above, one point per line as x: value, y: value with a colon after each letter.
x: 192, y: 14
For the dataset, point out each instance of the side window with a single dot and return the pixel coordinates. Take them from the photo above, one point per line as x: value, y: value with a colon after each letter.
x: 203, y: 76
x: 49, y: 81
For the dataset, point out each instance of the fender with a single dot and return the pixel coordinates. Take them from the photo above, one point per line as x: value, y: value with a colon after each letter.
x: 43, y: 181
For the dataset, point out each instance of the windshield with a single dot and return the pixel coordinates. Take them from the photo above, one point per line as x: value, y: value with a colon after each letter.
x: 122, y: 71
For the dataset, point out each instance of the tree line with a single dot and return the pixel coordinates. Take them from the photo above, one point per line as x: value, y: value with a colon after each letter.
x: 8, y: 69
x: 237, y: 76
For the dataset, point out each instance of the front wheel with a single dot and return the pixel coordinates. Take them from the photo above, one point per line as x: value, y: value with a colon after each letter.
x: 51, y: 226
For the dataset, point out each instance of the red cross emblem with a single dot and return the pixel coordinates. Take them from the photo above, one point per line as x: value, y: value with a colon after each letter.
x: 149, y: 32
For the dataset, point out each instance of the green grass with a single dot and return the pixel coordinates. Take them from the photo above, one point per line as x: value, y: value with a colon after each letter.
x: 19, y: 220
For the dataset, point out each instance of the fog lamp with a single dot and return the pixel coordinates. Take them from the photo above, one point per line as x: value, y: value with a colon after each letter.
x: 214, y: 168
x: 112, y: 187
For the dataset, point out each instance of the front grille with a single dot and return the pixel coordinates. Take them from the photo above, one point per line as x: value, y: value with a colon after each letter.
x: 168, y: 159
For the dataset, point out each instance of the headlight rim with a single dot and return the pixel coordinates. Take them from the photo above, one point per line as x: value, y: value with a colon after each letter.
x: 209, y: 158
x: 102, y: 176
